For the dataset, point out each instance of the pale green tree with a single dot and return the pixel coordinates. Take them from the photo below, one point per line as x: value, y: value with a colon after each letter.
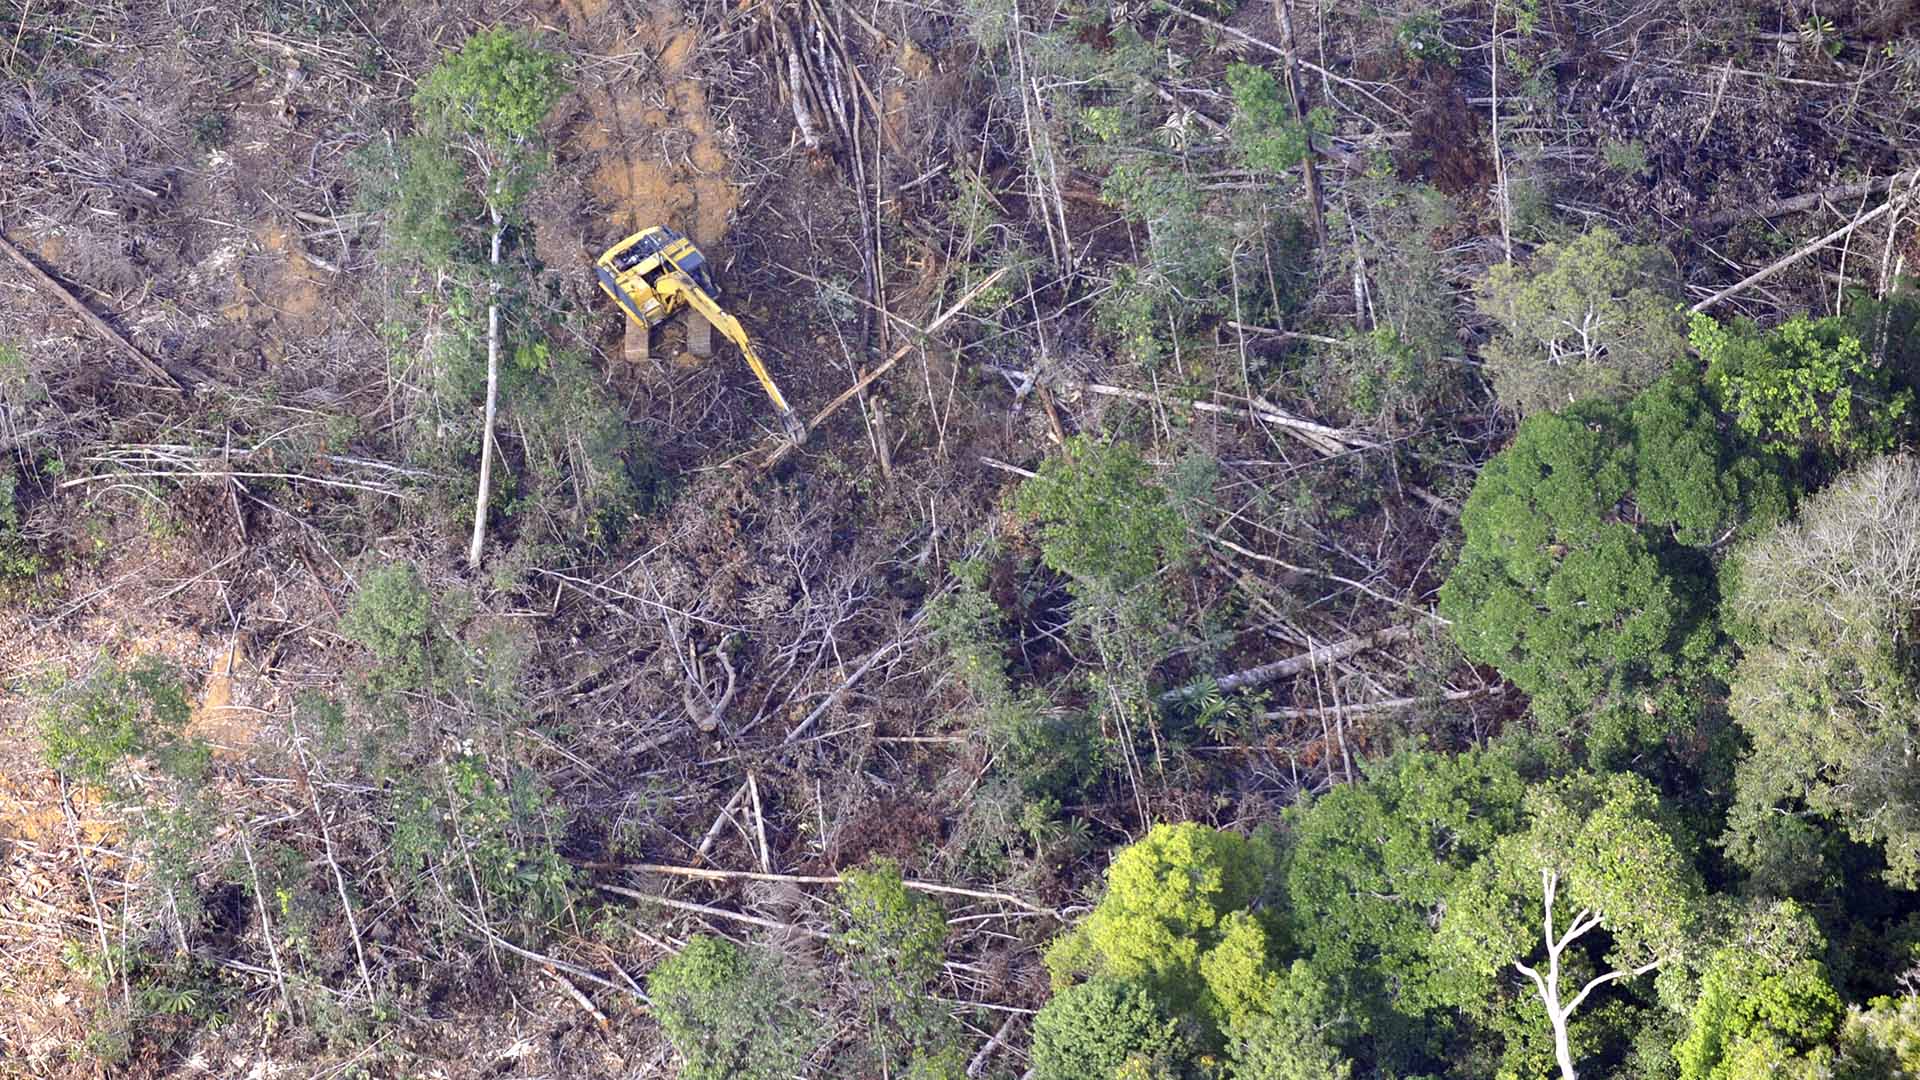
x: 1826, y: 690
x: 1593, y: 317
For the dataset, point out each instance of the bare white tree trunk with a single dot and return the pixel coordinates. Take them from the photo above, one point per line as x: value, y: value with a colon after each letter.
x: 493, y: 395
x: 1549, y: 986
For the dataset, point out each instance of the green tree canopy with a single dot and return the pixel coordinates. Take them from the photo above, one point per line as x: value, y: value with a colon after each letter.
x: 1175, y: 922
x: 1593, y: 317
x: 1368, y: 867
x: 1091, y: 1030
x: 1764, y: 999
x: 477, y: 150
x: 1557, y: 588
x: 894, y: 944
x: 498, y: 85
x: 1290, y: 1037
x: 1598, y: 854
x: 1103, y: 519
x: 1806, y: 384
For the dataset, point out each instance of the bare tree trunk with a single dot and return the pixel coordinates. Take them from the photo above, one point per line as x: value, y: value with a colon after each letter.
x: 1558, y: 1012
x: 1316, y: 202
x: 493, y: 395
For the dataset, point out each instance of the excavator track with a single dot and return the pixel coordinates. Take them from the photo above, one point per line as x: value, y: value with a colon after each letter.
x: 699, y: 335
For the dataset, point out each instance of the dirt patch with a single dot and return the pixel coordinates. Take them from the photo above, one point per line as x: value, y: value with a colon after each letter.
x: 648, y: 138
x: 293, y: 286
x: 229, y: 728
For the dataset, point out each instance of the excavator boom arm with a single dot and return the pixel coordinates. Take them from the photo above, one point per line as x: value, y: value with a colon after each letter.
x: 677, y: 281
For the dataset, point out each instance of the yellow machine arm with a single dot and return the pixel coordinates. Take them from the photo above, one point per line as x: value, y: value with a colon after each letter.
x: 674, y: 281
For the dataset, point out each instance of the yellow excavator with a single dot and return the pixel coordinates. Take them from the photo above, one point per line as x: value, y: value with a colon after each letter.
x: 655, y: 273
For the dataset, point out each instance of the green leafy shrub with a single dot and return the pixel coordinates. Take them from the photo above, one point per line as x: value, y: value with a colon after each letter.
x: 729, y: 1012
x: 94, y: 730
x: 1805, y: 384
x: 893, y: 942
x: 1264, y: 128
x: 484, y: 840
x: 1103, y: 520
x: 1095, y: 1029
x: 392, y: 617
x: 1593, y: 317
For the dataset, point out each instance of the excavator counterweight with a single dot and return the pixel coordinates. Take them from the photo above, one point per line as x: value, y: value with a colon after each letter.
x: 657, y: 272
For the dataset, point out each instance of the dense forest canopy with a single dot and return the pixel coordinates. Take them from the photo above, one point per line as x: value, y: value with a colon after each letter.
x: 1336, y: 541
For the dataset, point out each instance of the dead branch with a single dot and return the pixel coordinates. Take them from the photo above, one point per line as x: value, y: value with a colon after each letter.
x: 579, y: 998
x: 706, y: 909
x: 704, y: 873
x: 1327, y: 440
x: 1316, y: 200
x: 787, y: 447
x: 1785, y: 261
x: 1368, y: 708
x: 1809, y: 201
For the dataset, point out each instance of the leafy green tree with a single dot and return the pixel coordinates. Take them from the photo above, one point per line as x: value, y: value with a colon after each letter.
x: 1291, y: 1037
x: 1764, y: 998
x: 1585, y: 575
x: 1264, y: 129
x: 1597, y: 854
x: 1690, y: 480
x: 1593, y: 317
x: 894, y: 944
x: 729, y: 1012
x: 1554, y: 588
x: 479, y: 110
x: 1174, y: 921
x: 1091, y: 1030
x: 1368, y: 866
x: 1826, y: 689
x: 1805, y: 384
x: 1882, y: 1040
x: 1102, y: 518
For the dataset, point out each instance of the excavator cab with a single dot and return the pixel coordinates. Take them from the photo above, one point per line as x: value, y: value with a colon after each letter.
x: 655, y: 273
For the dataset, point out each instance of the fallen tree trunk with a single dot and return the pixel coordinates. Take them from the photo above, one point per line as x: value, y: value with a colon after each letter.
x: 147, y: 363
x: 1292, y: 665
x: 1368, y: 708
x: 1799, y: 203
